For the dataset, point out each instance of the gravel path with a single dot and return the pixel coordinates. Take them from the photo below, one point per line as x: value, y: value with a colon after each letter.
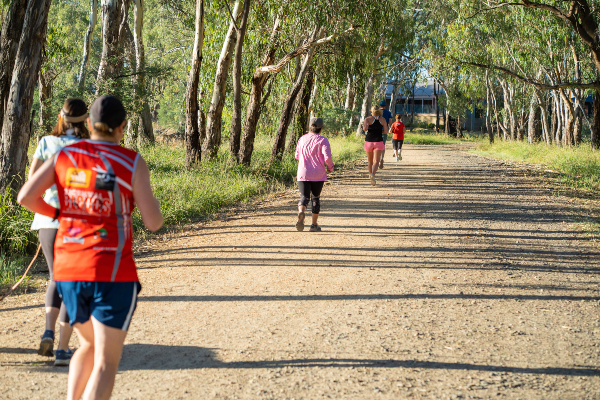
x: 452, y: 278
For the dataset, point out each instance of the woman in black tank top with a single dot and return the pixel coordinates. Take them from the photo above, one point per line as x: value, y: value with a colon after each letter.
x: 375, y: 127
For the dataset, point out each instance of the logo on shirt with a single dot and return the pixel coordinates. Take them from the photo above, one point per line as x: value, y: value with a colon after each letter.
x: 84, y: 202
x: 105, y: 181
x: 71, y: 239
x: 101, y: 234
x: 78, y: 178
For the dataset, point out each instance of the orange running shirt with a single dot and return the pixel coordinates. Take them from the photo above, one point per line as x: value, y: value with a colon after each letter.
x: 94, y: 180
x: 398, y: 130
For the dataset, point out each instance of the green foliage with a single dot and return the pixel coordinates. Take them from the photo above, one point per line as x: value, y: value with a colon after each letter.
x: 15, y: 236
x: 11, y: 269
x: 579, y: 167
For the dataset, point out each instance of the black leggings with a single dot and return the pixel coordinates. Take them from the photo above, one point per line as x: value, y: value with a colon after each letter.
x: 397, y: 144
x: 306, y: 189
x: 47, y: 237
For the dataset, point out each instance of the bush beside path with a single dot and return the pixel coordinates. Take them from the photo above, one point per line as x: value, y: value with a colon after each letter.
x: 449, y: 279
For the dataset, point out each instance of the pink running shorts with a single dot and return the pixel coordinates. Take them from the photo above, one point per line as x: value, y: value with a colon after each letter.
x: 370, y: 146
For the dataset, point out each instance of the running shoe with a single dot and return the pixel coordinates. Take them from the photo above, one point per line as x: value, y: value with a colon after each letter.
x: 300, y: 223
x: 381, y: 164
x: 400, y: 157
x: 63, y: 358
x: 47, y: 344
x: 373, y: 181
x: 315, y: 228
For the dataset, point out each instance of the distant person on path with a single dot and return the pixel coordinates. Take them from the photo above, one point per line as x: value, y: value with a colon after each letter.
x: 398, y: 129
x: 313, y: 153
x: 376, y: 127
x: 99, y: 183
x: 387, y: 115
x: 69, y: 129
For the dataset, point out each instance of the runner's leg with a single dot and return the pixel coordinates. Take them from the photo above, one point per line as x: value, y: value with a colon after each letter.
x: 376, y: 158
x: 370, y: 161
x: 108, y: 346
x: 315, y: 189
x: 82, y: 362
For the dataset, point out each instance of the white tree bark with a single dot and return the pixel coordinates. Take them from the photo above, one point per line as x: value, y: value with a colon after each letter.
x: 87, y: 42
x: 211, y: 144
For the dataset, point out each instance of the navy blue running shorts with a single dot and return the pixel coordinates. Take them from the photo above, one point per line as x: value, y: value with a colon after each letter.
x: 111, y: 303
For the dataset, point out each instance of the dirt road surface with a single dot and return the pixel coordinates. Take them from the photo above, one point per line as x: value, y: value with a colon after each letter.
x: 453, y: 278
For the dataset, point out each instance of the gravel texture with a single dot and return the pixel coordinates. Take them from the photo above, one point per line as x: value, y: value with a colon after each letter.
x: 454, y: 278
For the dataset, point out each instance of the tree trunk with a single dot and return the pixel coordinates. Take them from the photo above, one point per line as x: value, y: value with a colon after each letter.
x: 109, y: 63
x: 437, y: 107
x: 286, y: 115
x: 392, y: 105
x: 349, y: 92
x: 192, y: 135
x: 9, y: 43
x: 570, y: 119
x: 488, y: 116
x: 146, y: 132
x: 447, y: 131
x: 596, y: 127
x: 236, y: 117
x: 367, y: 98
x: 210, y: 146
x: 313, y: 96
x: 259, y: 79
x: 132, y: 136
x: 44, y: 95
x: 87, y: 42
x: 16, y: 126
x: 532, y: 123
x: 412, y: 109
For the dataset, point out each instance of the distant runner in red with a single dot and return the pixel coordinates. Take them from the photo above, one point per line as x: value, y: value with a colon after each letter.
x: 99, y: 183
x: 398, y: 130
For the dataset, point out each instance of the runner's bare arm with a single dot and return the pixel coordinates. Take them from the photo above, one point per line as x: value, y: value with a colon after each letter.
x: 365, y: 124
x: 144, y: 198
x: 36, y: 163
x: 30, y: 195
x: 385, y: 127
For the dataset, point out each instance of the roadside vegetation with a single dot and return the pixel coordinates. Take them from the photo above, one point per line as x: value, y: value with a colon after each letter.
x: 577, y: 167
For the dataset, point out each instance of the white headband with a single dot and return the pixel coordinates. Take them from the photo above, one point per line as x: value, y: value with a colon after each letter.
x: 71, y: 119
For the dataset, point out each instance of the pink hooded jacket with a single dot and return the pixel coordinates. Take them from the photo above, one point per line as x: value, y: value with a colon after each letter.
x: 313, y: 153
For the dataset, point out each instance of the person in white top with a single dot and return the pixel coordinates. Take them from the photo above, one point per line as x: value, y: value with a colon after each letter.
x: 69, y: 129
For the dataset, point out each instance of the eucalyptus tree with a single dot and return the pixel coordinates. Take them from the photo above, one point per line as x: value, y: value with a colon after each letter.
x: 536, y: 44
x: 212, y: 141
x: 193, y: 154
x: 16, y: 127
x: 236, y: 114
x: 87, y: 43
x: 12, y: 25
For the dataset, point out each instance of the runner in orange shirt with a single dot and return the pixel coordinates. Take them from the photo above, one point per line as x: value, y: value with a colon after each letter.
x: 99, y: 183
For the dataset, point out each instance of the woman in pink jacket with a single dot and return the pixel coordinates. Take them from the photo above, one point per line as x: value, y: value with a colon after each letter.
x: 314, y: 155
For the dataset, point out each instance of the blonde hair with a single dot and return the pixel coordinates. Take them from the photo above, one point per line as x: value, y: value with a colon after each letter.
x: 103, y: 129
x: 398, y: 117
x: 376, y: 111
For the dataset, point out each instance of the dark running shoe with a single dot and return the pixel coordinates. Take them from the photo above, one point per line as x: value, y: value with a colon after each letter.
x: 315, y: 228
x: 381, y: 163
x: 300, y: 223
x: 63, y: 358
x: 47, y: 344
